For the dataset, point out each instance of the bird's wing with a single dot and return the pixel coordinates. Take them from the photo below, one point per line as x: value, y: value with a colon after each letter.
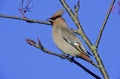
x: 71, y: 38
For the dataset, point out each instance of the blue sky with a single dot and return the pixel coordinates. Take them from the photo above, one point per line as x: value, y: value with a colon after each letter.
x: 18, y: 60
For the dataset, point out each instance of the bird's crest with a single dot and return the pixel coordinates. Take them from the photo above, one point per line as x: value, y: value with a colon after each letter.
x: 57, y: 14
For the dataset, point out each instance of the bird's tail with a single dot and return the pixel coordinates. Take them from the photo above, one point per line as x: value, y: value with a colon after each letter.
x: 87, y: 58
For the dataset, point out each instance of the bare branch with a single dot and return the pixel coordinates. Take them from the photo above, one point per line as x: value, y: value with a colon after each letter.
x: 76, y: 8
x: 86, y: 40
x: 24, y: 7
x: 71, y: 13
x: 40, y: 46
x: 80, y: 31
x: 104, y: 23
x: 25, y: 19
x: 77, y: 23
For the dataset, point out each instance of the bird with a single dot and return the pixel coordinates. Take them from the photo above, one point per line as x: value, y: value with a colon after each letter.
x: 66, y: 40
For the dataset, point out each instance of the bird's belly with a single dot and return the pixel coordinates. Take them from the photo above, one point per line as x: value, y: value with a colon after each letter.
x: 65, y: 47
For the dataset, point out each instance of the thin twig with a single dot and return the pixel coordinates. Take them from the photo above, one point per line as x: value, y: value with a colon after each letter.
x: 41, y: 47
x: 76, y: 8
x: 104, y: 24
x: 70, y: 12
x: 25, y: 19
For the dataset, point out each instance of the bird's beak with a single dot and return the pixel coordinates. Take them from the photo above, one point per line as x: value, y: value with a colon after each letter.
x: 50, y: 20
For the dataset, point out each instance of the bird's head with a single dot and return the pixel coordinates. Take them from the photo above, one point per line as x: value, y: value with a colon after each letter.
x: 57, y: 15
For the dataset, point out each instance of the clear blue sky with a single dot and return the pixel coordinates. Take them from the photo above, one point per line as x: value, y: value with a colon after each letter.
x: 18, y: 60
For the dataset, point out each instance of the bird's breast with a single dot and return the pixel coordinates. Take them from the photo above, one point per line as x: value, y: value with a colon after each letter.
x: 64, y: 46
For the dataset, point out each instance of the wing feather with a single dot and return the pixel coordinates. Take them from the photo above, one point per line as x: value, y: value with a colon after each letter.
x: 71, y: 38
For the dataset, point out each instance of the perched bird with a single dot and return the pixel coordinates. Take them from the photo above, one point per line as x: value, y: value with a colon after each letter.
x: 65, y: 39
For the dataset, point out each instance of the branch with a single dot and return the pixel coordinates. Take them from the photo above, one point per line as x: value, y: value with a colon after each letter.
x: 25, y: 19
x: 76, y: 21
x: 81, y: 32
x: 104, y: 23
x: 40, y: 46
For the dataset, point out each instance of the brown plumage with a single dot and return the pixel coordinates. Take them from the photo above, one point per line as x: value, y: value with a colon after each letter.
x: 65, y: 39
